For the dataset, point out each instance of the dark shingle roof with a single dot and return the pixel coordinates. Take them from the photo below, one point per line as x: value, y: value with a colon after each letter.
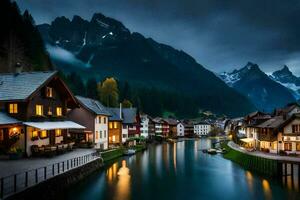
x: 274, y: 122
x: 93, y: 105
x: 128, y: 115
x: 171, y: 121
x: 21, y: 86
x: 5, y: 119
x: 114, y: 114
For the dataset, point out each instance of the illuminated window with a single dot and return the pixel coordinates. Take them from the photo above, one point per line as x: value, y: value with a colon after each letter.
x: 115, y: 124
x: 110, y: 125
x: 13, y: 108
x: 59, y: 111
x: 49, y: 92
x: 1, y: 135
x: 34, y: 134
x: 39, y: 110
x: 43, y: 134
x: 58, y: 132
x: 50, y: 110
x: 96, y: 135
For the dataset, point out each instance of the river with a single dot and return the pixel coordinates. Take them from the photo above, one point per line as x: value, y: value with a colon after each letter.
x: 178, y: 171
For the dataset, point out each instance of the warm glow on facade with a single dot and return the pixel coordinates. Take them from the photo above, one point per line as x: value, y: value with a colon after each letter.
x: 110, y: 125
x: 58, y: 132
x: 39, y: 110
x: 13, y: 108
x: 49, y: 92
x: 43, y: 134
x: 59, y: 111
x: 34, y: 134
x: 115, y: 125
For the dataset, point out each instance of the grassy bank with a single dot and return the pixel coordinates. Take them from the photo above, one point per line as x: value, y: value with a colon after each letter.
x: 140, y: 147
x: 254, y: 163
x: 112, y: 154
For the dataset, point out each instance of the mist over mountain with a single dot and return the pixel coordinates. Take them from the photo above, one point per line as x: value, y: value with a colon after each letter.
x: 104, y: 47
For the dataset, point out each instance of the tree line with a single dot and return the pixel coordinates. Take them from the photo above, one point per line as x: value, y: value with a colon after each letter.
x: 151, y: 100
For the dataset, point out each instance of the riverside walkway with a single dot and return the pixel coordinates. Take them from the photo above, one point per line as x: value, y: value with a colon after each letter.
x: 236, y: 147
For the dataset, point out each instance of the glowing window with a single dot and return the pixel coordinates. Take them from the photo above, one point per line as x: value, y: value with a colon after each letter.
x: 110, y: 125
x: 96, y: 135
x: 49, y: 92
x: 43, y: 134
x: 34, y: 134
x: 115, y: 124
x: 59, y: 111
x: 1, y: 135
x: 39, y: 110
x: 50, y: 110
x: 58, y: 132
x: 13, y: 108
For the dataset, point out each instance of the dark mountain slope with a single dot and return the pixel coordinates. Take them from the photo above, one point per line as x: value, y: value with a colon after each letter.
x: 105, y: 47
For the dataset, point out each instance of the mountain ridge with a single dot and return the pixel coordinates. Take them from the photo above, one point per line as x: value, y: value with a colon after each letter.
x: 106, y: 47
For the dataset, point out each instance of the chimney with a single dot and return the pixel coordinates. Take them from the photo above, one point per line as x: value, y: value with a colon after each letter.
x: 120, y: 110
x: 18, y: 68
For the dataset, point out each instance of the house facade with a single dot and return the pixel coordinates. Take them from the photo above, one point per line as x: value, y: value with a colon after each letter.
x: 147, y: 126
x: 158, y: 125
x: 39, y: 101
x: 172, y: 127
x: 180, y: 129
x: 94, y: 116
x: 202, y: 128
x: 115, y: 137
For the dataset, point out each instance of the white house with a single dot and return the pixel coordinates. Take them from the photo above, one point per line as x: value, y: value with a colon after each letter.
x: 94, y: 116
x: 180, y: 129
x: 202, y: 128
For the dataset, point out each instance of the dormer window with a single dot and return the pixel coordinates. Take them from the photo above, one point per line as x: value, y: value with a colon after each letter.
x: 49, y: 92
x: 13, y: 108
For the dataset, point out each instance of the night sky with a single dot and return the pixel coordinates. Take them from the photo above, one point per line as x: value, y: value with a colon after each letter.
x: 220, y: 34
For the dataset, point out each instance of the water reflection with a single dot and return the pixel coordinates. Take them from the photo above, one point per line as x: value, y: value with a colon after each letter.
x: 123, y: 184
x: 111, y: 173
x: 175, y: 156
x: 267, y: 189
x: 249, y: 178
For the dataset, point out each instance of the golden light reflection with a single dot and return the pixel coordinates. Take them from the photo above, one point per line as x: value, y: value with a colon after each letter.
x: 175, y: 156
x: 266, y: 189
x: 123, y: 185
x: 249, y: 178
x: 111, y: 173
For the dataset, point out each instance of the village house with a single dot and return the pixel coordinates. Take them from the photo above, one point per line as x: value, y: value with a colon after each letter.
x: 202, y: 128
x: 180, y: 129
x: 33, y: 112
x: 158, y: 123
x: 147, y: 126
x: 188, y: 128
x: 94, y: 116
x: 115, y: 137
x: 130, y: 122
x: 172, y: 126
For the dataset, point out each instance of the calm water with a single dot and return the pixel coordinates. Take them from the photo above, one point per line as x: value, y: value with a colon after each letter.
x: 177, y: 171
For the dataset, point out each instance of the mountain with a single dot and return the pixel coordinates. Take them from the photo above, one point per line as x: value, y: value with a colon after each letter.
x: 20, y: 41
x: 286, y: 78
x: 104, y: 47
x: 265, y: 93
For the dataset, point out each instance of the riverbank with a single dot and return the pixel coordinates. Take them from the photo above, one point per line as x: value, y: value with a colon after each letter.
x: 116, y: 153
x: 260, y: 165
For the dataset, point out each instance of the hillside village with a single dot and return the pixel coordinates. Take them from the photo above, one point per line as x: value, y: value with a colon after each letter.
x: 40, y: 116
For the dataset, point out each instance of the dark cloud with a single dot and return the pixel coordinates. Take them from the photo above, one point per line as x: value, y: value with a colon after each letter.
x: 221, y: 35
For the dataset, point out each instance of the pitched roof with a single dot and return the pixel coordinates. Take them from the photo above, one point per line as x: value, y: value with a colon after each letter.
x: 5, y: 119
x: 128, y: 115
x: 274, y: 122
x: 21, y: 86
x: 171, y: 121
x: 93, y: 105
